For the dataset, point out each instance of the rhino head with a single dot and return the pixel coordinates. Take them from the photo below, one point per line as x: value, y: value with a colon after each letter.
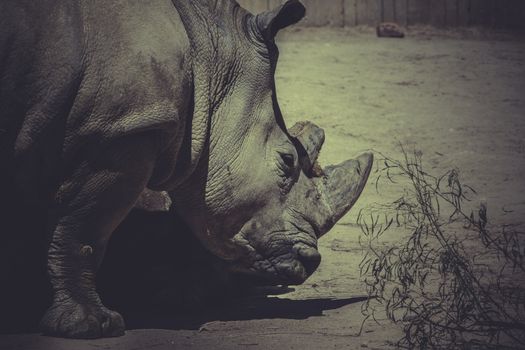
x: 256, y: 196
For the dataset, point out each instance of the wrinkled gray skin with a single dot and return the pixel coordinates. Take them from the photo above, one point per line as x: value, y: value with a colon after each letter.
x: 100, y: 100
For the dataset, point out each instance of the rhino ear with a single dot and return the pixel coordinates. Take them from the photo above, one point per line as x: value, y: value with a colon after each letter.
x: 270, y: 22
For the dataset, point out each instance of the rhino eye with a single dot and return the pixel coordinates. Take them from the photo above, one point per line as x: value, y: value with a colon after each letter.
x: 287, y: 170
x: 288, y: 160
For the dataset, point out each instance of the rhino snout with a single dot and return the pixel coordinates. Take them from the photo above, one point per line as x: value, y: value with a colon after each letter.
x: 310, y: 259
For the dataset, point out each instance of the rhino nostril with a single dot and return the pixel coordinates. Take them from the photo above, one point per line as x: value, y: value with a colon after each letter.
x: 310, y: 258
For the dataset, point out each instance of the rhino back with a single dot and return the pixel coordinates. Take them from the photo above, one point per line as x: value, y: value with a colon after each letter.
x: 77, y: 75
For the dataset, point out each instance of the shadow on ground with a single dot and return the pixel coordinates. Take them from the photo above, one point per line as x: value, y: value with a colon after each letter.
x: 156, y: 280
x: 196, y: 330
x: 238, y: 310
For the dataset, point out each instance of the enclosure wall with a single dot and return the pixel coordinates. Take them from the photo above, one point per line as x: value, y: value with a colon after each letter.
x: 509, y: 14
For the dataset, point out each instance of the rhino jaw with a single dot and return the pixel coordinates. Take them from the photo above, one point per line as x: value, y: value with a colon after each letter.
x: 342, y: 185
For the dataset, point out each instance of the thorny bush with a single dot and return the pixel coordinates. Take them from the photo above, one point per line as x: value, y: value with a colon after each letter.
x: 455, y: 281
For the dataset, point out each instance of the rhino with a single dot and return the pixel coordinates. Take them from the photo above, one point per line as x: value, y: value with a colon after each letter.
x: 101, y: 101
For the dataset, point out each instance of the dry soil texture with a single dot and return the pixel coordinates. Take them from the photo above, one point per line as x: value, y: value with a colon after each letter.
x: 460, y: 100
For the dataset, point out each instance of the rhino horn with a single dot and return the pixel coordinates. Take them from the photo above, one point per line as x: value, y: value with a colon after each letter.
x: 309, y: 139
x: 342, y: 185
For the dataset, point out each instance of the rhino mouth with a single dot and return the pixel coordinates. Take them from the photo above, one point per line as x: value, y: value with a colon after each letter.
x: 281, y: 260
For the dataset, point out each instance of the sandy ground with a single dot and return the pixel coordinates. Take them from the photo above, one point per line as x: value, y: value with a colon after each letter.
x: 459, y: 100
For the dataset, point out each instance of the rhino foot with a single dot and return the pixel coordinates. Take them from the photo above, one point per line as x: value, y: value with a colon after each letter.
x: 70, y: 319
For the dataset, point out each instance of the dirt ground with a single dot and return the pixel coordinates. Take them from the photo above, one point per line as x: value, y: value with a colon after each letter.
x: 457, y: 97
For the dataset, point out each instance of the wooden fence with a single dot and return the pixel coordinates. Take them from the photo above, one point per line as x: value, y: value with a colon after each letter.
x: 440, y: 13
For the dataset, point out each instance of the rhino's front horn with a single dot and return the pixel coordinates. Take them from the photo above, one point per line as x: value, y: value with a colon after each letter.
x: 342, y: 185
x: 309, y: 140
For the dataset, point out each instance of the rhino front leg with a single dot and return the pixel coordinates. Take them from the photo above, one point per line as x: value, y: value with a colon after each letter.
x: 96, y: 198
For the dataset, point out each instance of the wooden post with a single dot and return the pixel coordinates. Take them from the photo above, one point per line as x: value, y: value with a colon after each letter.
x: 419, y: 12
x: 480, y: 12
x: 394, y: 9
x: 500, y: 13
x: 350, y: 13
x: 461, y: 16
x: 516, y: 14
x: 436, y: 12
x: 401, y: 14
x: 451, y: 13
x: 388, y: 11
x: 368, y: 12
